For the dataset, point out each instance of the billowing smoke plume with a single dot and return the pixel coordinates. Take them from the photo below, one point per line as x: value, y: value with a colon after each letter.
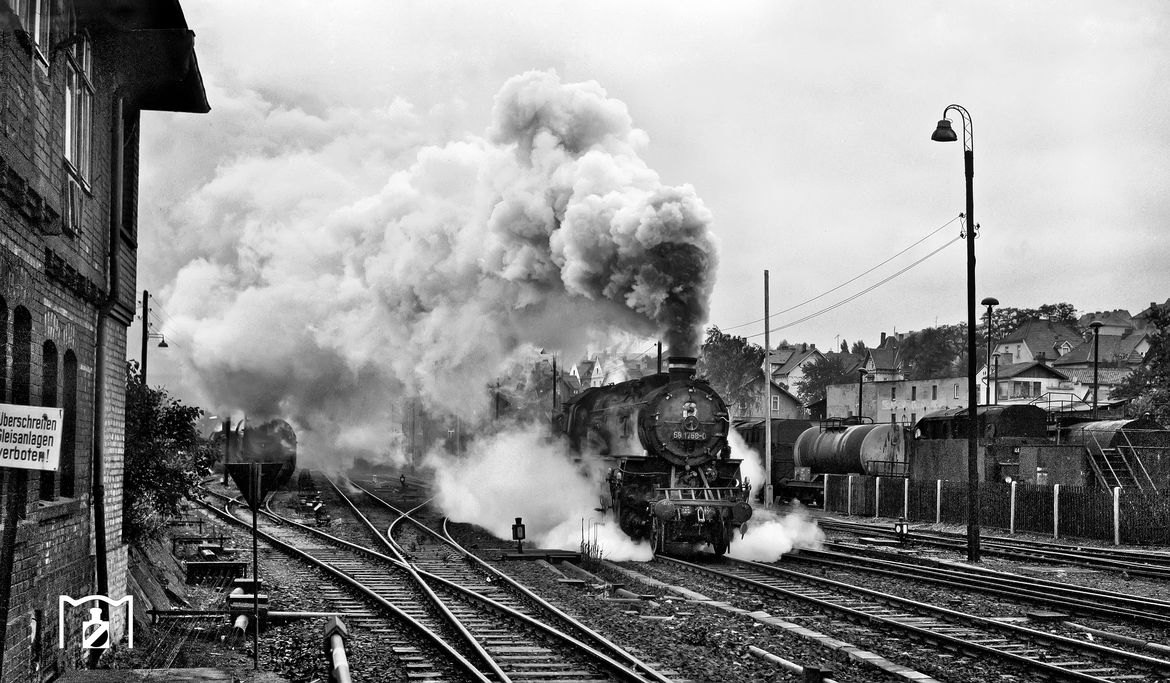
x: 330, y: 303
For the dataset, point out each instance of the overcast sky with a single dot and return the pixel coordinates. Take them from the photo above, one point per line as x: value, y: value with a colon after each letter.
x: 803, y: 128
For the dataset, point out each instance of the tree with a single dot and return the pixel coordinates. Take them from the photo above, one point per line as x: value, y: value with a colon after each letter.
x: 858, y: 349
x: 1149, y: 385
x: 730, y: 363
x: 933, y: 351
x: 844, y: 346
x: 830, y: 368
x: 166, y: 457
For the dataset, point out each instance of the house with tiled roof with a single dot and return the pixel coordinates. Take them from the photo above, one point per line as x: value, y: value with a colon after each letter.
x: 884, y: 363
x: 1041, y: 340
x: 1115, y: 322
x: 1142, y: 321
x: 785, y: 403
x: 787, y: 363
x: 1027, y: 382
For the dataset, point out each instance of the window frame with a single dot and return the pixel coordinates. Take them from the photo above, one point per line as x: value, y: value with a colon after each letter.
x: 79, y: 97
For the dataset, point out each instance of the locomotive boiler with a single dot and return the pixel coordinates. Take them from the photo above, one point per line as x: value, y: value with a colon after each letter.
x: 672, y: 479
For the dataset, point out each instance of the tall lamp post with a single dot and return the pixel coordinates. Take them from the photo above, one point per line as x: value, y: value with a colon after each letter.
x: 1096, y: 325
x: 147, y: 334
x: 944, y: 133
x: 990, y: 302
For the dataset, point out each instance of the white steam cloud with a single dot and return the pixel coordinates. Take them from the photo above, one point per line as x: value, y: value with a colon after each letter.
x: 768, y: 535
x: 522, y: 473
x: 322, y: 299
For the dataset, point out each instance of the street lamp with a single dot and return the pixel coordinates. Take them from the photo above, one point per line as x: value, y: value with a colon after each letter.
x: 944, y: 133
x: 990, y: 302
x: 1096, y: 325
x: 147, y: 334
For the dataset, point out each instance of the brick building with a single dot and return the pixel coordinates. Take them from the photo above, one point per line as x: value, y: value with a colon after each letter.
x: 74, y: 77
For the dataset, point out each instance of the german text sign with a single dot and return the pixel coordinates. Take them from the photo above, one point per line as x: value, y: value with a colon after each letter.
x: 30, y: 437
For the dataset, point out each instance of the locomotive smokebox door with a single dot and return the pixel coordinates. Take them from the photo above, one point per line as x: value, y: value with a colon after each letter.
x: 687, y: 424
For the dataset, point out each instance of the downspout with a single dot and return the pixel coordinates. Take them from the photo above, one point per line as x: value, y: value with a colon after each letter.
x: 101, y: 369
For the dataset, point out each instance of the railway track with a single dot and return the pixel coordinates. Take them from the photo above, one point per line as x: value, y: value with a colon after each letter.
x: 1038, y: 652
x: 436, y: 554
x: 382, y: 608
x: 1074, y: 599
x: 1149, y: 564
x: 478, y: 635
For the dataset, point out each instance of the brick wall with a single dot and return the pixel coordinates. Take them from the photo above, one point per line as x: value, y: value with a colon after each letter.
x: 58, y: 278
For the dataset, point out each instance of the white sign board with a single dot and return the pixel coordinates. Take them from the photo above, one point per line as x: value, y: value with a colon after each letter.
x: 30, y: 437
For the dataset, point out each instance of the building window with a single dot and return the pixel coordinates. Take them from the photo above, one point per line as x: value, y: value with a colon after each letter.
x: 956, y: 391
x: 775, y: 404
x: 78, y: 107
x: 34, y: 18
x: 913, y: 418
x: 893, y: 392
x: 934, y: 392
x: 913, y: 393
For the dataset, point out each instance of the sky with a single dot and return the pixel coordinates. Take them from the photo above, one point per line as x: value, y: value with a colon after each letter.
x: 786, y: 137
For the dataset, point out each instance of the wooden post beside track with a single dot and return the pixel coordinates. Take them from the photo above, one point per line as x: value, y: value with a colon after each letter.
x: 255, y: 569
x: 1116, y: 515
x: 1056, y: 511
x: 1012, y: 511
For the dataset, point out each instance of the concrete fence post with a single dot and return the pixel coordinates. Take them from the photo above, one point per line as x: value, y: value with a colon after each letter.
x: 938, y: 501
x: 906, y: 498
x: 1116, y: 515
x: 1012, y: 511
x: 877, y: 498
x: 849, y: 502
x: 825, y: 493
x: 1056, y: 511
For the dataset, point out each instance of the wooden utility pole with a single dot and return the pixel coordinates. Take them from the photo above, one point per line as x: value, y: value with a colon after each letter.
x: 767, y: 401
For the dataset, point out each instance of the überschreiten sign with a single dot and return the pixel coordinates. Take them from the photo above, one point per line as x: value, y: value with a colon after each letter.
x: 30, y: 437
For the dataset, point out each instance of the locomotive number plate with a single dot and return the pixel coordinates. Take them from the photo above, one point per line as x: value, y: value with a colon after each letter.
x: 688, y: 436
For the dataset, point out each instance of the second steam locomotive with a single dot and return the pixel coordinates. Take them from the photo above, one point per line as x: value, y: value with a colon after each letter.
x: 673, y: 480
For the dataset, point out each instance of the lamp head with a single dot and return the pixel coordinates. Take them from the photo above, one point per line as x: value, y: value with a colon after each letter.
x: 1096, y: 325
x: 944, y: 132
x: 163, y: 343
x: 989, y: 301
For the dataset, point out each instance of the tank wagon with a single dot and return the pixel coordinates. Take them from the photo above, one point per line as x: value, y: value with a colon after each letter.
x: 874, y: 449
x: 672, y: 478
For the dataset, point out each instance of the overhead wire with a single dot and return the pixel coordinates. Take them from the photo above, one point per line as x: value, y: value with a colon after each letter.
x: 863, y: 292
x: 853, y: 279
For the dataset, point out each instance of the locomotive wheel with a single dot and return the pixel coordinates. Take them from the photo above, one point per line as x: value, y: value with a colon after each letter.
x: 657, y: 536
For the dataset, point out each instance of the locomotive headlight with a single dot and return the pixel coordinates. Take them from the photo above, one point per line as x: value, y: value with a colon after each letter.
x: 665, y: 510
x: 741, y: 512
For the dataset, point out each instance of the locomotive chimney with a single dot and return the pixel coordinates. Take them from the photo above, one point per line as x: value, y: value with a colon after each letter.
x: 681, y: 367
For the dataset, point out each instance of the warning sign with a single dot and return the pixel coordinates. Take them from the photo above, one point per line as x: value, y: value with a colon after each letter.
x: 30, y: 437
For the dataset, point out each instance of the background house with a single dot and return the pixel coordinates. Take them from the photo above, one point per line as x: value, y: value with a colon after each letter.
x: 786, y: 363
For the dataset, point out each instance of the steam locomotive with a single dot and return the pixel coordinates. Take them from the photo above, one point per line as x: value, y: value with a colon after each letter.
x: 672, y: 479
x: 272, y: 444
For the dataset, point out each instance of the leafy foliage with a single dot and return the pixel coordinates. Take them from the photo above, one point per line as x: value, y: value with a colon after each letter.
x: 730, y: 363
x: 1149, y: 385
x: 831, y: 368
x: 934, y: 352
x: 165, y: 456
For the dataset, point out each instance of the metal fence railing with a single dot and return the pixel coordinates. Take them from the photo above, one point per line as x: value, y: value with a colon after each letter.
x: 1117, y: 515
